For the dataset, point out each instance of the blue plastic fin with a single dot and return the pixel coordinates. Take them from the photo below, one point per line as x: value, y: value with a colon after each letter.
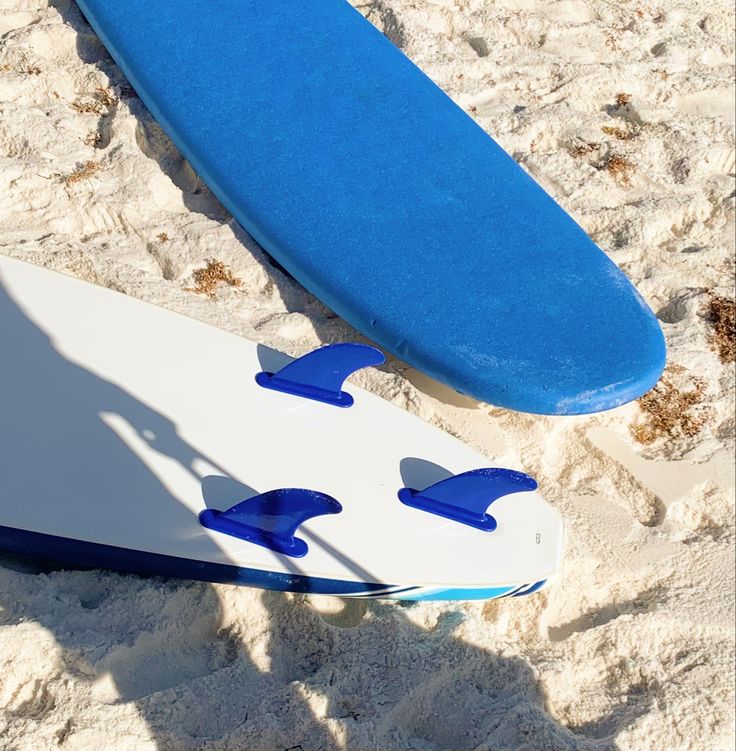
x: 271, y: 519
x: 320, y: 375
x: 465, y: 498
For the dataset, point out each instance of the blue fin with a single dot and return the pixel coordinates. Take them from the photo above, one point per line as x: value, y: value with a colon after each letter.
x: 272, y: 518
x: 320, y: 374
x: 465, y: 498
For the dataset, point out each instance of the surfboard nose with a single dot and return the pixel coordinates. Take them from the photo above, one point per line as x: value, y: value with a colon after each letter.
x: 617, y: 353
x: 599, y: 366
x: 574, y: 338
x: 629, y: 376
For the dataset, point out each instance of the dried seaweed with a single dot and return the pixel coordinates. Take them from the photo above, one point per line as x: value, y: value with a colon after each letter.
x: 207, y: 279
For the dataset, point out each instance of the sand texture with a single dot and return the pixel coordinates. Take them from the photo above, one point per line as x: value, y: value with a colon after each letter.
x: 624, y: 111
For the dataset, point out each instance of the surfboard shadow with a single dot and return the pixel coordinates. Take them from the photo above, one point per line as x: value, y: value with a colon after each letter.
x: 420, y: 473
x: 220, y: 493
x: 389, y: 683
x: 271, y: 360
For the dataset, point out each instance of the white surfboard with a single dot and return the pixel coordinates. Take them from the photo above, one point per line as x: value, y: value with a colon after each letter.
x: 137, y: 439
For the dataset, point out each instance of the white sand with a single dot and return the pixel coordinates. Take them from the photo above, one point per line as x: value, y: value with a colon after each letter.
x: 632, y: 648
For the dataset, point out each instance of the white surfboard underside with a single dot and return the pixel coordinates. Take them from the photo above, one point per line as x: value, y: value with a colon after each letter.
x: 122, y: 421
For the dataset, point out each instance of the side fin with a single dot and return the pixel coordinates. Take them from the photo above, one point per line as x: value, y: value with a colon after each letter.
x: 271, y: 519
x: 319, y: 375
x: 465, y: 498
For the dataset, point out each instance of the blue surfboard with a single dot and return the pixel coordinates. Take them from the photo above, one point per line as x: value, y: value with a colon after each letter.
x: 384, y: 199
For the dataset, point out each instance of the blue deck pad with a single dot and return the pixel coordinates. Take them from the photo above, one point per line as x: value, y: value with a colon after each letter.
x: 385, y: 200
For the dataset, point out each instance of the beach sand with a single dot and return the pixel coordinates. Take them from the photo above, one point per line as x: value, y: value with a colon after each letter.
x: 624, y: 111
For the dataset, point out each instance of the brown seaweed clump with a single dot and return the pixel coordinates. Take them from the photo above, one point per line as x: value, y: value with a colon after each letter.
x: 620, y: 134
x: 620, y: 169
x: 672, y: 412
x: 82, y: 172
x: 101, y: 103
x: 721, y: 313
x: 207, y: 279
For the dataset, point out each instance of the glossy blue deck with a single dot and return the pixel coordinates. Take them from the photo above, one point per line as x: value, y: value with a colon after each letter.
x: 385, y: 200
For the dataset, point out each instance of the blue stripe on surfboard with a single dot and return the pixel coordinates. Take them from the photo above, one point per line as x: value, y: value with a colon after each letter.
x: 96, y: 555
x: 530, y: 589
x: 486, y: 593
x: 84, y: 554
x: 80, y: 553
x: 393, y: 593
